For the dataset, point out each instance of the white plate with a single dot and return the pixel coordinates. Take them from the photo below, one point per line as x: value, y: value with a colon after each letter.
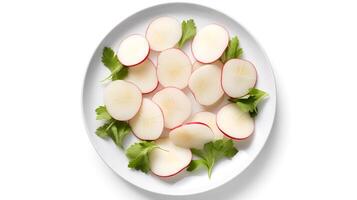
x: 186, y: 183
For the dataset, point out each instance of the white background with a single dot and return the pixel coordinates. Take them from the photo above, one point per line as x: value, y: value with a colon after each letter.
x: 45, y: 47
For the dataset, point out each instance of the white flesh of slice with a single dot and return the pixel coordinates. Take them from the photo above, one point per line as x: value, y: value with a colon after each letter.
x: 191, y: 135
x: 238, y: 76
x: 163, y: 33
x: 169, y: 159
x: 122, y: 99
x: 148, y: 123
x: 205, y: 84
x: 133, y: 50
x: 197, y: 64
x: 173, y: 68
x: 210, y: 43
x: 235, y: 123
x: 175, y: 106
x: 144, y: 76
x: 209, y: 119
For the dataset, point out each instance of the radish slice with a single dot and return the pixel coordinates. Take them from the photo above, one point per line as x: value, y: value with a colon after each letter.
x: 173, y: 68
x: 163, y: 33
x: 210, y: 43
x: 238, y: 76
x: 169, y: 159
x: 148, y: 123
x: 235, y: 123
x: 197, y: 64
x: 144, y: 76
x: 122, y: 99
x: 209, y: 119
x: 191, y: 135
x: 133, y: 50
x: 175, y: 106
x: 205, y: 84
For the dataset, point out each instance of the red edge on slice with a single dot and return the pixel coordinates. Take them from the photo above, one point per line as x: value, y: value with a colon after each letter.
x: 158, y: 65
x: 256, y: 80
x: 163, y: 123
x: 147, y: 55
x: 168, y: 176
x: 221, y: 53
x: 147, y: 31
x: 160, y: 107
x: 233, y: 138
x: 141, y: 100
x: 157, y: 82
x: 189, y: 123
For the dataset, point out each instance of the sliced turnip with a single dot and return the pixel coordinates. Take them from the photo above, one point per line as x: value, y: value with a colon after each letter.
x: 163, y: 33
x: 235, y: 123
x: 173, y: 68
x: 205, y: 84
x: 144, y: 76
x: 122, y: 99
x: 209, y: 43
x: 197, y: 64
x: 133, y: 50
x: 174, y: 104
x: 209, y: 119
x: 148, y: 123
x: 191, y: 135
x: 238, y: 76
x: 169, y: 159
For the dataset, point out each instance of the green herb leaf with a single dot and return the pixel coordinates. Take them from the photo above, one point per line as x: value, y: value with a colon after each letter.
x: 138, y: 155
x: 116, y: 130
x: 102, y: 131
x: 111, y: 61
x: 102, y: 113
x: 232, y: 51
x: 121, y: 74
x: 249, y: 103
x: 188, y: 31
x: 119, y: 131
x: 212, y: 152
x: 195, y: 164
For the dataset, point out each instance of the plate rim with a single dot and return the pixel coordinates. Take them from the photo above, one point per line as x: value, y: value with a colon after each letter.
x: 264, y: 54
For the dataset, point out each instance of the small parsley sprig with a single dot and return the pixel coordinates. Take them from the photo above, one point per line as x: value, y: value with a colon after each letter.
x: 212, y: 152
x: 188, y: 31
x: 111, y: 61
x: 249, y: 103
x: 138, y: 155
x: 114, y: 129
x: 232, y: 51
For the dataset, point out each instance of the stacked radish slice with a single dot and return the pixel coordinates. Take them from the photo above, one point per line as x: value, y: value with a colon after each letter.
x: 163, y: 33
x: 150, y: 112
x: 173, y: 68
x: 210, y: 43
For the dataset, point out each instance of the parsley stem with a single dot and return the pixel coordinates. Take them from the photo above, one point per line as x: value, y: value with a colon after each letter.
x: 110, y: 125
x: 117, y: 69
x: 210, y: 168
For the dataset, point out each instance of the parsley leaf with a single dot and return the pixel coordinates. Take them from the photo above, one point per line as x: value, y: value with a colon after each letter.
x: 102, y: 131
x: 121, y: 74
x: 114, y: 129
x: 188, y: 31
x: 111, y: 61
x: 138, y: 155
x: 249, y: 103
x: 102, y: 113
x: 212, y: 152
x: 232, y: 51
